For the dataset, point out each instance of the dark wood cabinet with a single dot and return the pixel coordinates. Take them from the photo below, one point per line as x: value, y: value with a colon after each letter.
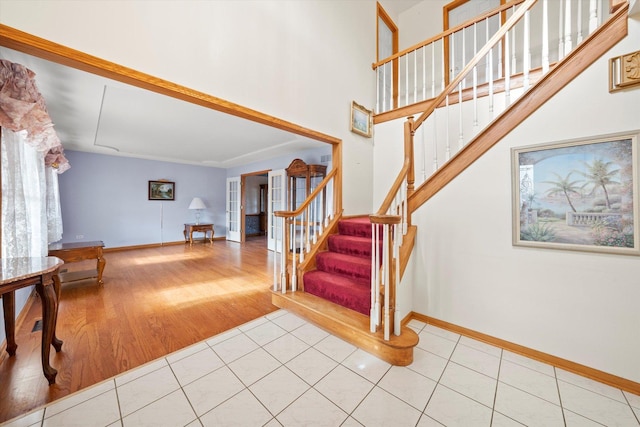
x: 302, y: 179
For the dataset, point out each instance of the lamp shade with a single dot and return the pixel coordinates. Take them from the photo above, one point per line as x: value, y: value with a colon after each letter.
x: 197, y: 203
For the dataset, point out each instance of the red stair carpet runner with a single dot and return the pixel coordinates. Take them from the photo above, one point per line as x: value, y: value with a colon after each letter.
x: 343, y: 274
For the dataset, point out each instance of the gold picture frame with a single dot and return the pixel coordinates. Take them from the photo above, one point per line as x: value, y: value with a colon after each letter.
x: 361, y: 120
x: 579, y: 195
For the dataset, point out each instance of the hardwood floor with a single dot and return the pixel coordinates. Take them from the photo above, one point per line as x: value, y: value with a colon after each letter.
x: 154, y: 301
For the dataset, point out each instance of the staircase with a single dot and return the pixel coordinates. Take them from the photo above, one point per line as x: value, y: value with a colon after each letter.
x: 343, y: 272
x: 335, y: 273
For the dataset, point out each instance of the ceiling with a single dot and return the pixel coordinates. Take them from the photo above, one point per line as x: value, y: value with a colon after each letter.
x: 99, y: 115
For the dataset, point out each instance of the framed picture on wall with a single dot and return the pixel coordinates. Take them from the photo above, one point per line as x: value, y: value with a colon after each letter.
x: 361, y: 120
x: 162, y: 190
x: 577, y: 195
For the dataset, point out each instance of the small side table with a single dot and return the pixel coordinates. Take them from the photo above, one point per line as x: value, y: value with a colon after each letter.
x: 17, y: 273
x: 190, y: 228
x: 80, y: 251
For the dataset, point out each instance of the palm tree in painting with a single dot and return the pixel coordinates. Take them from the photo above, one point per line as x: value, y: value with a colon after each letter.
x: 565, y: 187
x: 599, y: 175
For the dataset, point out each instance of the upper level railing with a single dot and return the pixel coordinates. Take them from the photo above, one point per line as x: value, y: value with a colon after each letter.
x: 545, y: 36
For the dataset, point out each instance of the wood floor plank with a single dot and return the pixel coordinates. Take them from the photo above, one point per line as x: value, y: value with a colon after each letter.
x: 154, y: 301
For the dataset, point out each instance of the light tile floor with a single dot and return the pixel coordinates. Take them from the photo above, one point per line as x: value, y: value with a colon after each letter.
x: 280, y: 370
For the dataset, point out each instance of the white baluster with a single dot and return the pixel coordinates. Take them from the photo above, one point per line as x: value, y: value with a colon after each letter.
x: 275, y: 263
x: 593, y: 15
x: 386, y: 277
x: 384, y: 87
x: 397, y: 322
x: 488, y: 76
x: 514, y: 56
x: 435, y: 141
x: 490, y: 71
x: 433, y: 70
x: 378, y: 73
x: 526, y: 56
x: 579, y: 29
x: 424, y: 153
x: 424, y: 73
x: 405, y: 216
x: 560, y: 31
x: 294, y: 276
x: 415, y: 75
x: 372, y: 310
x: 507, y: 71
x: 446, y: 127
x: 444, y: 72
x: 406, y: 79
x: 567, y: 28
x: 452, y: 63
x: 475, y: 78
x: 464, y: 54
x: 460, y: 131
x: 545, y: 36
x: 283, y: 257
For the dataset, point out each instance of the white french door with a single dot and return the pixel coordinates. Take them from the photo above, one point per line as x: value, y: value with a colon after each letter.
x: 233, y: 209
x: 276, y: 202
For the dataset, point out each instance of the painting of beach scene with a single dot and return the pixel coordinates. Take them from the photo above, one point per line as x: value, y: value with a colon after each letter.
x: 577, y: 195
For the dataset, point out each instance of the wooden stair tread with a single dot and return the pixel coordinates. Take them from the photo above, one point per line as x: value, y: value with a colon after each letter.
x: 349, y: 325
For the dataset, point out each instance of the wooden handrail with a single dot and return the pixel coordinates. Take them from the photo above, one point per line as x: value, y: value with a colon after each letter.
x: 314, y: 193
x: 526, y: 5
x: 444, y: 34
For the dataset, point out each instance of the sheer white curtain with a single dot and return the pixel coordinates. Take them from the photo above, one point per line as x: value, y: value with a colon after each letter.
x: 30, y: 199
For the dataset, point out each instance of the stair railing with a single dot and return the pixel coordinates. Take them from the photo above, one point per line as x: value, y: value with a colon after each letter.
x: 515, y: 58
x: 386, y: 222
x: 389, y: 225
x: 300, y: 231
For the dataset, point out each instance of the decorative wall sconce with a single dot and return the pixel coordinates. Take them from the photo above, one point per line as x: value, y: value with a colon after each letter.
x: 624, y: 71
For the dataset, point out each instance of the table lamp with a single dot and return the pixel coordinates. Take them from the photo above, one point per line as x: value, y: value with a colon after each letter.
x: 198, y: 205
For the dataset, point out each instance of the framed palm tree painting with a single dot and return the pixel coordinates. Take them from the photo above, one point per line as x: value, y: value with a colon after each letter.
x: 577, y: 195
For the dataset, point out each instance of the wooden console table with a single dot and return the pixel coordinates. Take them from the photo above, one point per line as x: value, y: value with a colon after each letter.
x: 18, y: 273
x: 190, y: 228
x: 80, y: 251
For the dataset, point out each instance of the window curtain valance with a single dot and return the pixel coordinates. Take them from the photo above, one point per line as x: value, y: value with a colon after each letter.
x: 22, y: 107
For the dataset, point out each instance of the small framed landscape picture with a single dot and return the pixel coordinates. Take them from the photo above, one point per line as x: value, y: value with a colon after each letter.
x: 361, y: 120
x: 577, y: 195
x: 162, y: 190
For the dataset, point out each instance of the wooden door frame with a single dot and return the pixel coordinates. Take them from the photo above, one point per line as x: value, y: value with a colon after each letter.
x: 382, y: 14
x: 243, y: 200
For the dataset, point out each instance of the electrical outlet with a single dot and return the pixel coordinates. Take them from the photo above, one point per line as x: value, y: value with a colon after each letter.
x: 79, y: 236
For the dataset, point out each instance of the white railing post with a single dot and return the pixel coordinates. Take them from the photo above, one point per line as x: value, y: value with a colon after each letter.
x: 283, y: 256
x: 397, y: 322
x: 385, y: 277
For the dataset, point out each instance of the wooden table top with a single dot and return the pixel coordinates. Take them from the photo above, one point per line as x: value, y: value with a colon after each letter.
x: 15, y: 269
x: 75, y: 245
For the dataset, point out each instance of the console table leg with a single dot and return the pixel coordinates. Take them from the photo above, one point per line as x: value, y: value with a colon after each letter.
x: 9, y: 309
x: 48, y: 296
x: 55, y: 341
x: 101, y: 264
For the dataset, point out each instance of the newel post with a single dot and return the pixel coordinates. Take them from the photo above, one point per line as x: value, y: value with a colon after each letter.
x: 408, y: 154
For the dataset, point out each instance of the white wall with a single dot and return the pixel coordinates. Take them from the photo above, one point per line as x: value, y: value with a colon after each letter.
x: 301, y: 61
x: 579, y: 306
